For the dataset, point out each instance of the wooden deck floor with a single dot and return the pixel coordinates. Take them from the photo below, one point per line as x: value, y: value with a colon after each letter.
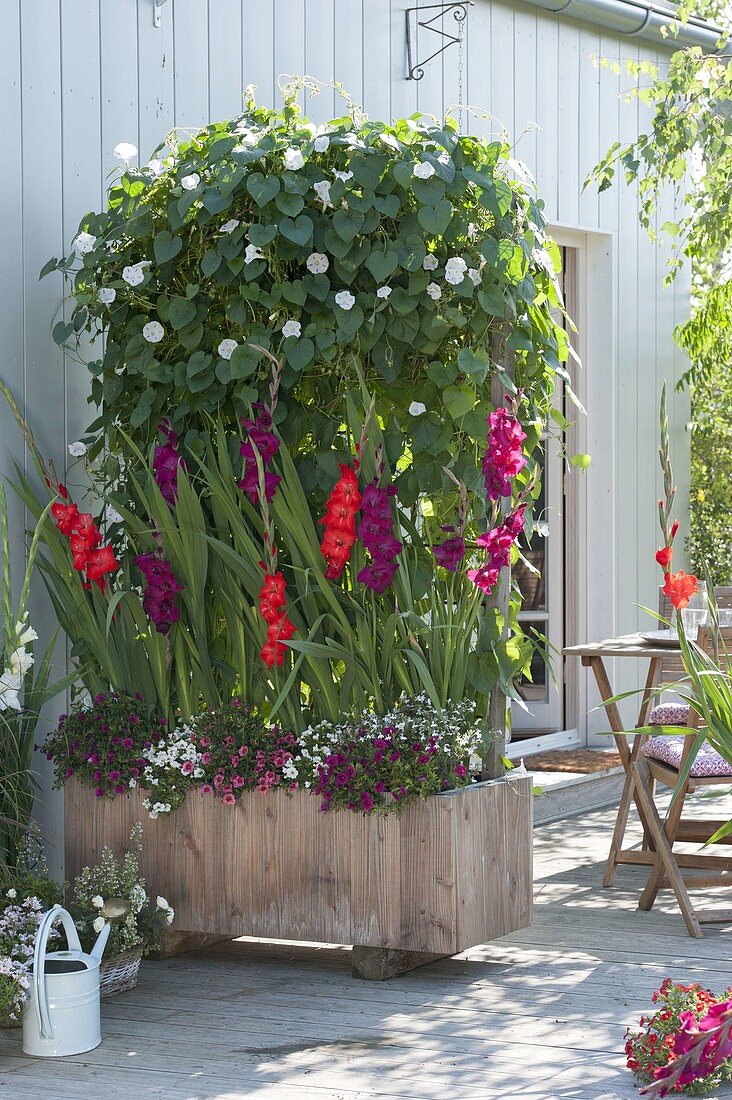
x: 539, y: 1014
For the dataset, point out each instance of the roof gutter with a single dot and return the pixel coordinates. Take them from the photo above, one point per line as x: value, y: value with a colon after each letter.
x: 637, y: 18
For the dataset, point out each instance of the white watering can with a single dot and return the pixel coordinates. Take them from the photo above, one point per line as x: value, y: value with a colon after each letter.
x: 62, y: 1016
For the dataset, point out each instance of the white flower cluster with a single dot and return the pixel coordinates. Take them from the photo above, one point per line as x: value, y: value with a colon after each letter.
x: 18, y: 663
x: 15, y: 973
x: 171, y: 765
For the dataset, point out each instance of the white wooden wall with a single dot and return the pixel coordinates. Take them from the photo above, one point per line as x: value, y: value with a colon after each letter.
x: 79, y: 76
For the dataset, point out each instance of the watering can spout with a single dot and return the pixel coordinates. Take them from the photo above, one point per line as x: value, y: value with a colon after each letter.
x: 98, y: 949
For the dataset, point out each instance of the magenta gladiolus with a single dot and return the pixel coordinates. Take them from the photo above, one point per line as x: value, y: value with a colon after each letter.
x: 504, y: 457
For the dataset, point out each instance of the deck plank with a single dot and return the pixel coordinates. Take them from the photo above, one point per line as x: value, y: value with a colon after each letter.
x: 539, y: 1013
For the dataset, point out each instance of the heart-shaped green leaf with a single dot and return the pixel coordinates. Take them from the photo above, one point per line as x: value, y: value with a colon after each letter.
x: 442, y: 374
x: 298, y: 230
x: 261, y: 235
x: 435, y: 219
x: 347, y: 223
x: 182, y: 312
x: 381, y: 264
x: 165, y: 246
x: 476, y: 364
x: 387, y: 204
x: 262, y: 188
x: 458, y: 401
x: 298, y: 353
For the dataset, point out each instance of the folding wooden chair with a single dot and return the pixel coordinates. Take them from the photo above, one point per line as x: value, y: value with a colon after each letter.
x: 659, y: 762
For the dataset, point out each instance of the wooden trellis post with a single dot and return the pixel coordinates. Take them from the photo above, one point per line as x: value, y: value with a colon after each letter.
x: 496, y: 718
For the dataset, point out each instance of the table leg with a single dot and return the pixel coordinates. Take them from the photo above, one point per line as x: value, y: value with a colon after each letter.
x: 627, y: 756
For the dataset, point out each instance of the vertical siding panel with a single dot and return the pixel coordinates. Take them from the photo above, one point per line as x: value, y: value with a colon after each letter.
x: 502, y: 70
x: 403, y: 91
x: 120, y: 89
x: 289, y: 42
x: 82, y: 191
x: 224, y: 59
x: 525, y: 79
x: 451, y: 75
x: 381, y: 29
x: 588, y: 149
x: 429, y: 88
x: 547, y: 153
x: 568, y: 125
x: 350, y: 46
x: 319, y: 56
x: 157, y: 93
x: 257, y: 35
x: 191, y: 69
x: 478, y: 55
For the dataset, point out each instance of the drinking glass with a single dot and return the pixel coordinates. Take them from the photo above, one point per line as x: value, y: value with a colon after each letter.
x: 693, y: 618
x: 699, y: 602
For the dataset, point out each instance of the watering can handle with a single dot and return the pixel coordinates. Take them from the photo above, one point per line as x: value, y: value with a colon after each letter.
x: 39, y: 955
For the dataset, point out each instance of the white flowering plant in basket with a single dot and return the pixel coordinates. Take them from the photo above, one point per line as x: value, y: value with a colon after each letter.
x: 98, y: 892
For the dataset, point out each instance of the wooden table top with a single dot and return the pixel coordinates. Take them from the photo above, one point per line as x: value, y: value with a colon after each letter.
x: 628, y: 645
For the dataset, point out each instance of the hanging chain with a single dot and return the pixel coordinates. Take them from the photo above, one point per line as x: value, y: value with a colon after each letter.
x: 461, y: 66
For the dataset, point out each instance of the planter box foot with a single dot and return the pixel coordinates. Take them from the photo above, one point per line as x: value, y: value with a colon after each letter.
x: 376, y: 964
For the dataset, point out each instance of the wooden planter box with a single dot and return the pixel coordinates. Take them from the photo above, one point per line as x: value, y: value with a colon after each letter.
x: 452, y: 872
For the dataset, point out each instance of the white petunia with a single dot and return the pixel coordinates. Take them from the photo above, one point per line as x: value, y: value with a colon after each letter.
x: 455, y: 270
x: 106, y: 295
x: 417, y: 408
x: 190, y: 183
x: 383, y: 292
x: 155, y: 166
x: 435, y: 291
x: 226, y: 348
x: 317, y: 263
x: 112, y: 515
x: 294, y: 159
x: 321, y: 143
x: 292, y: 328
x: 135, y: 273
x: 99, y: 924
x: 153, y: 332
x: 125, y: 151
x: 84, y: 242
x: 475, y: 276
x: 345, y: 299
x: 97, y: 901
x: 161, y: 902
x: 423, y: 170
x: 322, y: 190
x: 343, y: 176
x: 430, y: 262
x: 252, y: 253
x: 230, y: 226
x: 12, y: 893
x: 77, y: 450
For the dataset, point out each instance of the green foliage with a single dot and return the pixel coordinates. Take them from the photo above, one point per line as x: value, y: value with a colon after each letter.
x: 710, y: 540
x: 688, y: 151
x: 224, y: 235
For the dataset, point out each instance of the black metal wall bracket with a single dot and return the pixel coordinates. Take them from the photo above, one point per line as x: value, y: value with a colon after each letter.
x: 459, y: 13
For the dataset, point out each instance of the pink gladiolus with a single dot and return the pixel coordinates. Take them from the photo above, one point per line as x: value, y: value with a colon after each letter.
x: 504, y: 457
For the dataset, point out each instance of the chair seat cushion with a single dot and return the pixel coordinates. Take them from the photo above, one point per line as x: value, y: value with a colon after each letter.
x: 668, y: 750
x: 669, y: 714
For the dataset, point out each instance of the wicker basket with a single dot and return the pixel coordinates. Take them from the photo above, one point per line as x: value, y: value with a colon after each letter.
x: 119, y: 973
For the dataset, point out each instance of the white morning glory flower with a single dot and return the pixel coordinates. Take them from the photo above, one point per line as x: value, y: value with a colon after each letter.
x: 161, y: 902
x: 475, y: 276
x: 472, y: 229
x: 383, y: 292
x: 322, y: 190
x: 354, y: 141
x: 230, y: 226
x: 423, y: 170
x: 417, y: 408
x: 252, y: 253
x: 317, y: 263
x: 112, y: 515
x: 455, y: 270
x: 343, y: 176
x: 84, y: 242
x: 292, y: 328
x: 294, y: 159
x: 155, y: 166
x: 125, y: 151
x: 153, y: 332
x: 434, y: 291
x: 345, y: 299
x: 190, y: 183
x: 391, y: 140
x: 321, y: 143
x: 170, y: 915
x: 106, y: 295
x: 99, y: 924
x: 226, y: 347
x: 430, y: 262
x: 135, y: 273
x: 97, y: 902
x: 77, y: 450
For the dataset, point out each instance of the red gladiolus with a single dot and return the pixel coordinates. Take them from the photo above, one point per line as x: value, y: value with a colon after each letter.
x: 663, y: 557
x: 679, y: 588
x: 272, y: 608
x: 340, y: 522
x: 84, y: 542
x: 66, y: 517
x: 99, y: 562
